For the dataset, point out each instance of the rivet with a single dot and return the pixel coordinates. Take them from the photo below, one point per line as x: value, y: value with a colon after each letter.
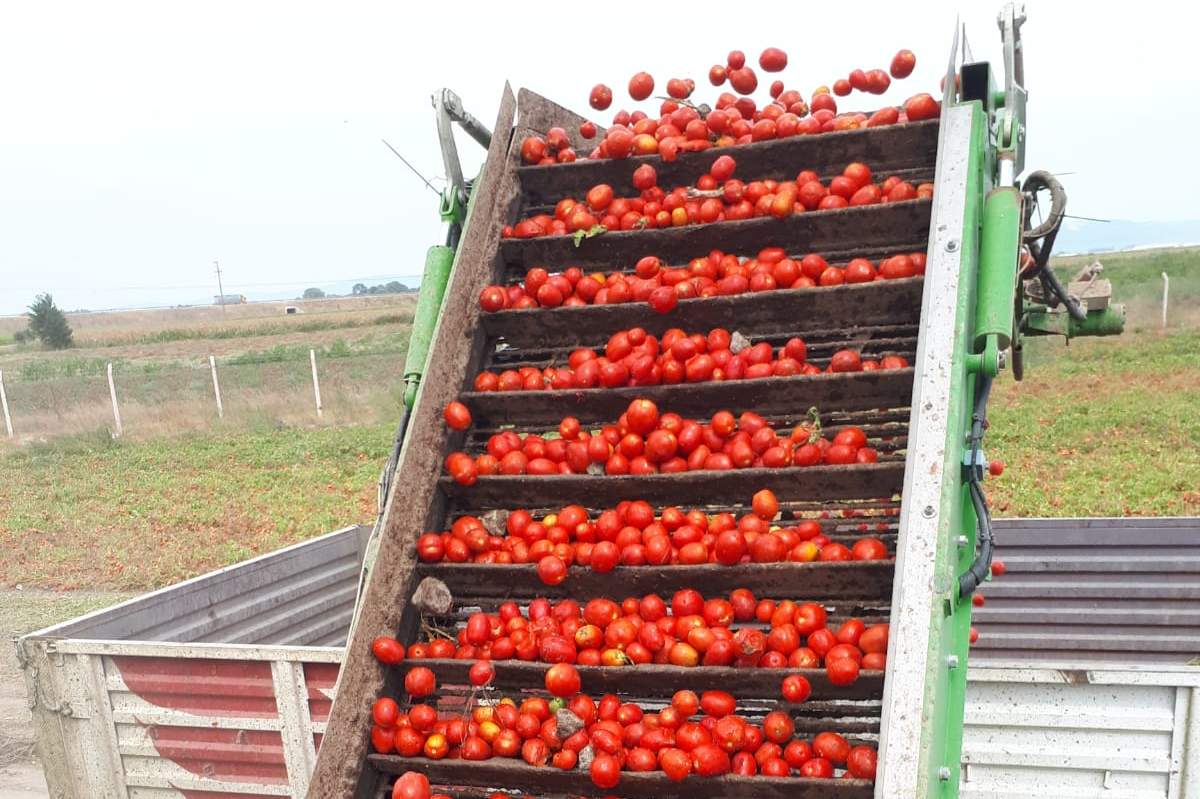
x: 952, y: 661
x: 962, y: 541
x: 928, y: 512
x: 952, y: 245
x: 944, y: 774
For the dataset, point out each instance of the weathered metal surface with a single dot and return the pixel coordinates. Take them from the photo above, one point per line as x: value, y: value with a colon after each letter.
x: 1111, y: 732
x: 268, y: 598
x: 1093, y: 590
x: 916, y: 674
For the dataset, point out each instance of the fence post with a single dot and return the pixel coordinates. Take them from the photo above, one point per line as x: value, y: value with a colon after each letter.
x: 212, y: 364
x: 1166, y: 286
x: 4, y: 403
x: 312, y: 357
x: 112, y: 392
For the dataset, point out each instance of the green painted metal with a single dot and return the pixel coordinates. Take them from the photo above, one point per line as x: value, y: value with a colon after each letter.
x: 1000, y: 248
x: 941, y: 743
x: 438, y: 262
x: 1040, y: 321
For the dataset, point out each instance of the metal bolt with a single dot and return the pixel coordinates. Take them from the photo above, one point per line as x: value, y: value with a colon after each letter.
x: 952, y: 245
x: 962, y: 541
x: 944, y: 774
x: 1002, y: 359
x: 928, y: 512
x: 952, y: 661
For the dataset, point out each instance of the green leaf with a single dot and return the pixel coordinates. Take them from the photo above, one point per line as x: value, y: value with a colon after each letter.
x: 595, y: 230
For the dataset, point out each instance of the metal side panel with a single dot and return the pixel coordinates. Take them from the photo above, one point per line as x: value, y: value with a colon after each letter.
x: 917, y: 689
x: 1075, y: 739
x: 174, y: 720
x: 1093, y: 591
x: 283, y: 597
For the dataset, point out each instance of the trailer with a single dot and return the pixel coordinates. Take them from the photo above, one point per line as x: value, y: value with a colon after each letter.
x: 222, y: 684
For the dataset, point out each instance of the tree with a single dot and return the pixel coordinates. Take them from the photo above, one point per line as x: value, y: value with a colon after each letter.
x: 48, y: 324
x: 359, y: 289
x: 313, y: 294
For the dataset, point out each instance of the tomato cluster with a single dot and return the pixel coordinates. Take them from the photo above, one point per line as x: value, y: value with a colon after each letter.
x: 632, y: 535
x: 701, y: 735
x: 714, y: 275
x: 716, y: 197
x: 687, y: 630
x: 684, y: 126
x: 643, y: 442
x: 636, y: 358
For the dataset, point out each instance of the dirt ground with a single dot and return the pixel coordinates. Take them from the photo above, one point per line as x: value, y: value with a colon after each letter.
x: 22, y: 612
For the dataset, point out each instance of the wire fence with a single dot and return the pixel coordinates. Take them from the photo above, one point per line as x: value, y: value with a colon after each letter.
x: 45, y: 399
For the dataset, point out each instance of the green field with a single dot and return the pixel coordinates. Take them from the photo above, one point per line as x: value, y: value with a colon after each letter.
x: 1099, y: 427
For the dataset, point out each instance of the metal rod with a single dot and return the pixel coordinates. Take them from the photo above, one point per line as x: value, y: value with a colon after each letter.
x: 212, y: 364
x: 4, y: 404
x: 413, y: 168
x: 1166, y: 289
x: 112, y: 393
x: 312, y: 357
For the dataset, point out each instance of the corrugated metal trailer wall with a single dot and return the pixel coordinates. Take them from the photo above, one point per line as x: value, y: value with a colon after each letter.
x: 220, y: 686
x: 216, y: 687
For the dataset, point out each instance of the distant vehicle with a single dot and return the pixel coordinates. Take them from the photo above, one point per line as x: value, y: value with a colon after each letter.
x: 229, y: 299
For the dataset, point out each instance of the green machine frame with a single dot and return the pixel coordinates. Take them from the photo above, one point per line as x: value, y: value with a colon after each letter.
x: 972, y: 317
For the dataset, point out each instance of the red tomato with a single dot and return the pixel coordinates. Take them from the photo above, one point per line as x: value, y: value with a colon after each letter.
x: 551, y: 570
x: 383, y: 739
x: 717, y: 703
x: 903, y: 64
x: 874, y: 639
x: 869, y: 549
x: 709, y: 760
x: 641, y: 86
x: 482, y: 673
x: 831, y: 746
x: 675, y: 763
x: 796, y: 688
x: 420, y: 682
x: 385, y: 712
x: 411, y: 785
x: 562, y: 679
x: 765, y: 504
x: 817, y: 767
x: 778, y: 727
x: 600, y: 97
x: 387, y: 650
x: 861, y: 761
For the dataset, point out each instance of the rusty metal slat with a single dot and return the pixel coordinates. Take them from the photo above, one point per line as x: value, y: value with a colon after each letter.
x: 508, y: 773
x: 886, y: 150
x: 792, y: 310
x: 862, y: 481
x: 846, y: 391
x: 657, y: 680
x: 877, y: 226
x: 850, y: 580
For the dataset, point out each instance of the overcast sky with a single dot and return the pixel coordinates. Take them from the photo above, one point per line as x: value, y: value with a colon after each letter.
x: 141, y: 141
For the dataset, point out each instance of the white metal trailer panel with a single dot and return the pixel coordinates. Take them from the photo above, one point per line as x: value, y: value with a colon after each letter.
x: 1115, y: 732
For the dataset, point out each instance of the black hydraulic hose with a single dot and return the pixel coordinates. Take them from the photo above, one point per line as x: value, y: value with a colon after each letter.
x: 974, y: 576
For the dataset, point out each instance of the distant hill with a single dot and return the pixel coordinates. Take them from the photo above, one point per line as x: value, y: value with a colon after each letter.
x: 1079, y: 236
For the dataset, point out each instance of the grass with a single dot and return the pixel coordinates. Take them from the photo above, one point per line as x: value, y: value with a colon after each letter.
x: 92, y: 512
x: 272, y: 329
x: 1106, y: 427
x: 1109, y: 428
